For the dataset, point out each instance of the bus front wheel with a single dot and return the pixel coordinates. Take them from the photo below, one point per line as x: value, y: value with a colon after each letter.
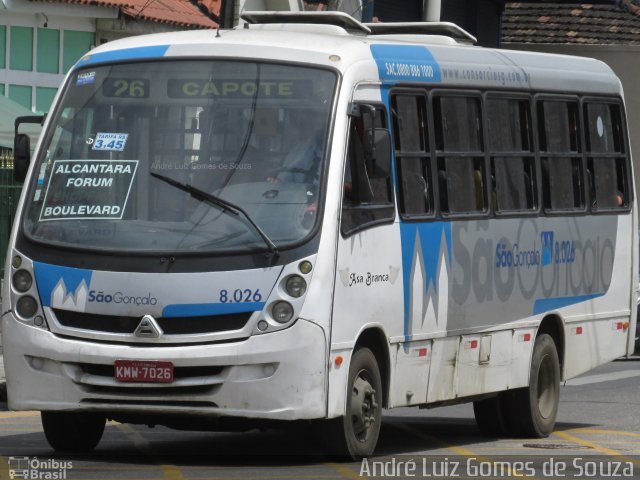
x: 355, y: 435
x: 533, y: 409
x: 73, y: 431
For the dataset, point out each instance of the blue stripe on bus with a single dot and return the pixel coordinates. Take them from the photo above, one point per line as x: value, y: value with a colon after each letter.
x: 48, y: 276
x: 202, y: 309
x: 423, y: 242
x: 547, y: 304
x: 124, y: 54
x: 413, y: 63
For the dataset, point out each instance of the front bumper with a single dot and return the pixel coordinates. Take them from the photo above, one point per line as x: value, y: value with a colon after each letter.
x: 279, y: 376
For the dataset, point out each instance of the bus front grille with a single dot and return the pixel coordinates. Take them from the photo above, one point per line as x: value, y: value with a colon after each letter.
x: 170, y: 326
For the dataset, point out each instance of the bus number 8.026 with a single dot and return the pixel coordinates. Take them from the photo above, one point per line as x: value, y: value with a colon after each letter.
x: 239, y: 295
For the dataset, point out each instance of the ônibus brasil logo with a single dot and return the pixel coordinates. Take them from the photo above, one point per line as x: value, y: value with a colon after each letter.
x: 36, y: 469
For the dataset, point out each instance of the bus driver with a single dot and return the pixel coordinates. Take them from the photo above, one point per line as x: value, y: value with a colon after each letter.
x: 302, y: 161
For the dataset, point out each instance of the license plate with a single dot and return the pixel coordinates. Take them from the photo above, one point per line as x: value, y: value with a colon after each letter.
x: 143, y: 371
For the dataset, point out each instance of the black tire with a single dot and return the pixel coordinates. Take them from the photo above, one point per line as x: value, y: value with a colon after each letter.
x: 73, y: 431
x: 533, y: 410
x: 355, y: 435
x: 491, y: 416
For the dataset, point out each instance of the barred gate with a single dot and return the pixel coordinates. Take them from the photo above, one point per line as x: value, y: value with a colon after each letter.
x: 9, y: 196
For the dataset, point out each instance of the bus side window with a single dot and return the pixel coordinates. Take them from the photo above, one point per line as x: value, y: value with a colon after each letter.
x: 461, y: 163
x: 562, y: 168
x: 368, y: 196
x: 413, y: 158
x: 510, y: 144
x: 606, y: 163
x: 461, y: 184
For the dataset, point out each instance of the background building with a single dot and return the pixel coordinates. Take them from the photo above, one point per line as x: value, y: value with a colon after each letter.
x: 40, y: 41
x: 608, y: 31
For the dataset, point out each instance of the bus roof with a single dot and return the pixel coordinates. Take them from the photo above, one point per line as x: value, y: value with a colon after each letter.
x: 437, y: 54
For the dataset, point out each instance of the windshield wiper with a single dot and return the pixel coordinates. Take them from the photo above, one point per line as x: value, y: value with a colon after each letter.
x: 224, y: 205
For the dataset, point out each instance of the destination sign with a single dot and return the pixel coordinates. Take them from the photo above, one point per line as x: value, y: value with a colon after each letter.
x: 126, y: 88
x: 206, y: 88
x: 88, y: 189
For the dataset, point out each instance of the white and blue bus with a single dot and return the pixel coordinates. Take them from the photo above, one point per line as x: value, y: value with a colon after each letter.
x: 312, y: 219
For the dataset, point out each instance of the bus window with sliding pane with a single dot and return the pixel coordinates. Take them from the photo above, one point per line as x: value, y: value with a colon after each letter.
x: 461, y: 164
x: 606, y: 161
x: 562, y: 168
x: 510, y: 145
x: 413, y: 160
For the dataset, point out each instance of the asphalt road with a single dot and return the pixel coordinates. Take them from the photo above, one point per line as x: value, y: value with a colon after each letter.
x: 598, y: 422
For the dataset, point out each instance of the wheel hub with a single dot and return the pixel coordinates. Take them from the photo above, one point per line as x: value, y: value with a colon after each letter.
x: 364, y: 408
x: 546, y: 388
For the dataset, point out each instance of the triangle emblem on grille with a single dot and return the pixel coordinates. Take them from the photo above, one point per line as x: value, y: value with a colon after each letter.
x: 148, y: 328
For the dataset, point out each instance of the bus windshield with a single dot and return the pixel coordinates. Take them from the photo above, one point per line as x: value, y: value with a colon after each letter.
x: 251, y: 134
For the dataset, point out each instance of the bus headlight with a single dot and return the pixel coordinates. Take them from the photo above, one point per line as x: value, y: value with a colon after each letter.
x: 296, y: 286
x: 26, y: 306
x: 22, y: 280
x: 282, y: 312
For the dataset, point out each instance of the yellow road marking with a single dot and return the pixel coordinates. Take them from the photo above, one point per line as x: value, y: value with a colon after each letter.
x: 169, y: 471
x: 425, y: 436
x: 344, y: 471
x: 18, y: 414
x: 459, y: 450
x: 607, y: 432
x: 267, y: 477
x: 209, y: 477
x: 349, y: 473
x: 595, y: 446
x: 4, y: 465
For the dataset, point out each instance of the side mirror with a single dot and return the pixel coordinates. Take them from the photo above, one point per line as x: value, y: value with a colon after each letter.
x: 22, y: 147
x: 21, y: 156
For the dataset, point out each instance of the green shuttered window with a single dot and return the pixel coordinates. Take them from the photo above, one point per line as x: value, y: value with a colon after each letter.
x: 21, y: 51
x: 76, y: 44
x: 3, y: 46
x: 44, y: 98
x: 48, y: 50
x: 21, y: 94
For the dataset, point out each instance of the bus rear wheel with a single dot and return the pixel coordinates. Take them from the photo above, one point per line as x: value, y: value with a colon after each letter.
x: 355, y: 435
x: 533, y: 410
x: 73, y: 431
